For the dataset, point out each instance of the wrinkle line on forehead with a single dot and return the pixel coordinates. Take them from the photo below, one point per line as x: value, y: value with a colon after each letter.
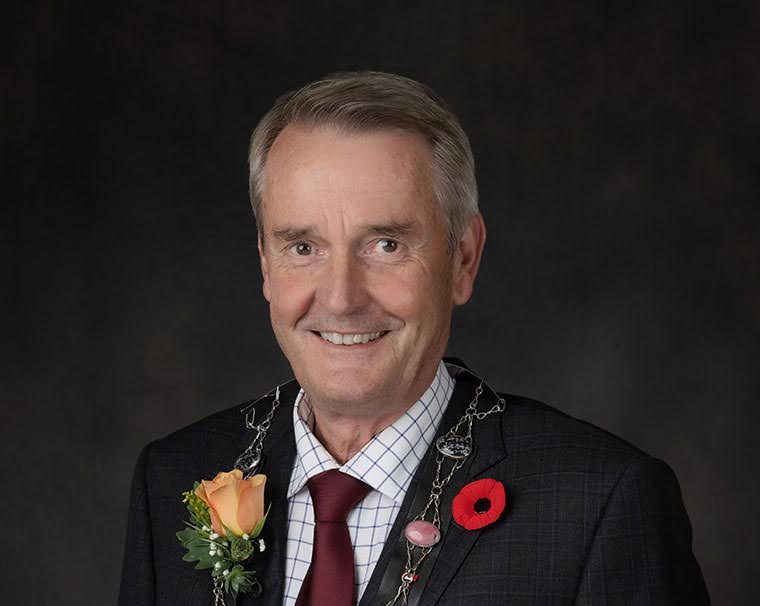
x: 392, y: 229
x: 309, y: 170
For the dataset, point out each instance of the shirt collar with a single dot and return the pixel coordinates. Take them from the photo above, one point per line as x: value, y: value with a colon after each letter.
x: 388, y: 461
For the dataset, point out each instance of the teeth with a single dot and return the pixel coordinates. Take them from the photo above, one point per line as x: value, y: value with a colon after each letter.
x: 349, y: 339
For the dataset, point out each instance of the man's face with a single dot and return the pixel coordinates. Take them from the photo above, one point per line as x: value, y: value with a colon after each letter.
x: 355, y: 264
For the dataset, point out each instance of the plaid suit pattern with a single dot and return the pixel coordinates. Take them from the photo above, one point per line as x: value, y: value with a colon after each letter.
x: 590, y: 520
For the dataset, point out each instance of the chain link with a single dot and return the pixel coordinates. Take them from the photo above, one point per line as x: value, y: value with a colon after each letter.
x: 416, y: 555
x: 249, y: 461
x: 219, y: 593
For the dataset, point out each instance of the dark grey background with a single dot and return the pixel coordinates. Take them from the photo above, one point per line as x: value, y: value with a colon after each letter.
x: 617, y: 153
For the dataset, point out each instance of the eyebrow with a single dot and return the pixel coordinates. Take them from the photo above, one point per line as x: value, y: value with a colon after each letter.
x: 290, y: 234
x: 394, y: 229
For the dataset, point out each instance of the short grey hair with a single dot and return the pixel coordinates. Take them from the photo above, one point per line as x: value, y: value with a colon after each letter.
x: 366, y: 101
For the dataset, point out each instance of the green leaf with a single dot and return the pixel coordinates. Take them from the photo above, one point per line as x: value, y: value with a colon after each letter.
x: 197, y: 549
x: 187, y: 535
x: 229, y: 534
x: 205, y: 564
x: 258, y: 528
x: 202, y: 519
x: 236, y: 580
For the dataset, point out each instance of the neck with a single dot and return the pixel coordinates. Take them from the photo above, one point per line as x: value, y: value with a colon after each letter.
x: 343, y: 436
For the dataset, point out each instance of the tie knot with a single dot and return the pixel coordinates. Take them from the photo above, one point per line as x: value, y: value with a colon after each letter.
x: 334, y: 494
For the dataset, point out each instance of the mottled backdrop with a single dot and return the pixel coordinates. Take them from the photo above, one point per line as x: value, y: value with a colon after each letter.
x: 617, y: 153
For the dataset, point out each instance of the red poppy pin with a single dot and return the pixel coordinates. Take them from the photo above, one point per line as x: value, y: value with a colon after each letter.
x: 479, y: 503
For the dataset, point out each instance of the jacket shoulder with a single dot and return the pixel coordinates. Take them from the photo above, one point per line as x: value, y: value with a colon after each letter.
x: 229, y: 422
x: 200, y: 449
x: 533, y: 430
x: 223, y: 423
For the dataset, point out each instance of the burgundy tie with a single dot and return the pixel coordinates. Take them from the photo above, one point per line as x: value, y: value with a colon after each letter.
x: 331, y: 580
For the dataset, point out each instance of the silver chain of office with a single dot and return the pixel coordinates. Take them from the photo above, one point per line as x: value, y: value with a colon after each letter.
x: 453, y: 449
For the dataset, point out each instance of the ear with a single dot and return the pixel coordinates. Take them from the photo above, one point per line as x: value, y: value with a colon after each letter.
x: 264, y: 270
x: 467, y: 259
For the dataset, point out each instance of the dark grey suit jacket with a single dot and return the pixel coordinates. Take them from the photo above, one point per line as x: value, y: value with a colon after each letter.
x: 590, y: 520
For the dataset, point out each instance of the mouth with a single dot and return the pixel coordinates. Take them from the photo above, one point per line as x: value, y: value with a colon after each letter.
x: 350, y: 339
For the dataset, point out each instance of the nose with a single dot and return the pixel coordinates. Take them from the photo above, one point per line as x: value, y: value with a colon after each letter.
x: 343, y: 287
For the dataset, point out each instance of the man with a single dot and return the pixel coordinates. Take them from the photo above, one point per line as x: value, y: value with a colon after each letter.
x: 364, y: 194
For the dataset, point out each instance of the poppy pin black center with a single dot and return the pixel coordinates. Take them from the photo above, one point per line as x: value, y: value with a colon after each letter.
x: 482, y: 505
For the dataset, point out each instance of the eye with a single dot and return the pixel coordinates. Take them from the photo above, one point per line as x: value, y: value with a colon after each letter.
x: 301, y: 248
x: 387, y: 245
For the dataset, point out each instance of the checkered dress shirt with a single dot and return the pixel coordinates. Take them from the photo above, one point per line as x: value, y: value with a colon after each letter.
x: 387, y: 463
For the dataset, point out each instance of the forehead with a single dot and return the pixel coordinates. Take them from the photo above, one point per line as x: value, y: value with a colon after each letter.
x: 315, y: 171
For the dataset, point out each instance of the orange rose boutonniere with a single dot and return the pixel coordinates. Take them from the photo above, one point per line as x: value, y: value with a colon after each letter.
x: 226, y: 519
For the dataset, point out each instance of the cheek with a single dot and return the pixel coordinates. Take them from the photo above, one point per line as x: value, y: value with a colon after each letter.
x: 411, y: 296
x: 290, y: 297
x: 399, y: 298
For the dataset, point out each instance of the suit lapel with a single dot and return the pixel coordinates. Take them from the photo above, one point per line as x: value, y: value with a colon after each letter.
x: 279, y: 451
x: 457, y: 542
x: 443, y: 562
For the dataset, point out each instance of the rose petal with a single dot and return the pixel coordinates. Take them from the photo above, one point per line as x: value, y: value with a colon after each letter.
x: 200, y: 491
x: 251, y: 502
x: 226, y: 477
x: 209, y: 488
x: 216, y: 522
x: 224, y: 500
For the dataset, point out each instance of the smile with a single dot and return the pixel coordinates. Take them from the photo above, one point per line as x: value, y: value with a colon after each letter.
x: 350, y: 338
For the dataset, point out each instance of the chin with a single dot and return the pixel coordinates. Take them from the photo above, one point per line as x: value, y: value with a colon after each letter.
x: 349, y: 386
